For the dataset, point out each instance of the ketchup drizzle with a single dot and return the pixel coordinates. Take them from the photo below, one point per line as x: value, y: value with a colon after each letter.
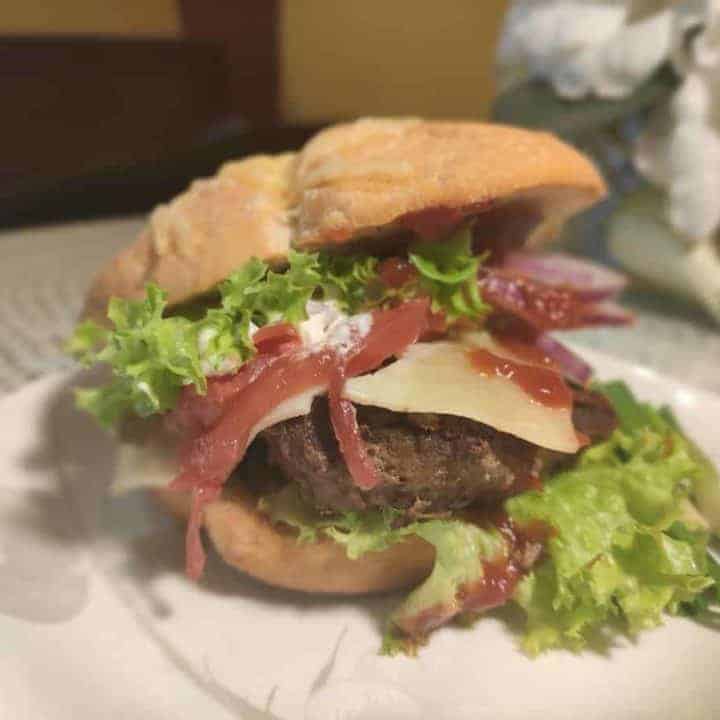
x: 545, y: 386
x: 499, y: 580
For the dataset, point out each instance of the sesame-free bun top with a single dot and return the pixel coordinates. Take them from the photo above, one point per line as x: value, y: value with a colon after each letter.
x: 373, y: 178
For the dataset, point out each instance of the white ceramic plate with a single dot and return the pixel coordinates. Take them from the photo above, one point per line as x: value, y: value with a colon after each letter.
x: 97, y: 620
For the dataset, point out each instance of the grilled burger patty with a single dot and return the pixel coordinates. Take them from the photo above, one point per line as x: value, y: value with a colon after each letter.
x: 427, y: 463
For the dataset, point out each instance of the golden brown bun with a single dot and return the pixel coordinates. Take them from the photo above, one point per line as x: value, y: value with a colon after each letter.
x: 247, y: 540
x: 200, y: 237
x: 351, y: 181
x: 357, y: 178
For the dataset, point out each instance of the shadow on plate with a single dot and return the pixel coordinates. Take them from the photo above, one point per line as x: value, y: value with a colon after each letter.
x: 74, y: 450
x: 134, y: 544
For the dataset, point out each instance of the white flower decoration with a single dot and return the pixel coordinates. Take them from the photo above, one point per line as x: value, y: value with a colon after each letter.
x: 680, y: 150
x: 587, y: 47
x: 607, y: 49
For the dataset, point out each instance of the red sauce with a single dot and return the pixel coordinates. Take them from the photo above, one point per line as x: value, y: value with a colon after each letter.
x: 545, y: 386
x: 520, y: 536
x: 434, y: 222
x: 500, y: 576
x: 437, y: 327
x: 431, y: 223
x: 524, y: 351
x: 396, y: 272
x: 495, y: 588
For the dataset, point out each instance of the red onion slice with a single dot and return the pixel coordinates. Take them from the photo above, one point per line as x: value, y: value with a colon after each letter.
x: 571, y: 365
x: 591, y: 282
x: 607, y: 313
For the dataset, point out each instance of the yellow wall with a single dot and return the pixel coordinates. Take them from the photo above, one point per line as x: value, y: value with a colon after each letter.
x: 339, y: 58
x: 104, y: 17
x: 343, y: 58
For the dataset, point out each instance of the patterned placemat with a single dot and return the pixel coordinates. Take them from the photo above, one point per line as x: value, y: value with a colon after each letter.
x: 44, y: 273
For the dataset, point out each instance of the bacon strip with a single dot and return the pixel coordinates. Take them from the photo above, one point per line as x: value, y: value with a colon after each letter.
x: 240, y: 402
x: 195, y: 555
x: 391, y: 333
x: 276, y: 339
x: 347, y: 431
x: 195, y: 413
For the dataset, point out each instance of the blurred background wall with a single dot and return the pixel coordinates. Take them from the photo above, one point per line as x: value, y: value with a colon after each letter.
x: 342, y: 59
x: 130, y: 98
x: 107, y: 17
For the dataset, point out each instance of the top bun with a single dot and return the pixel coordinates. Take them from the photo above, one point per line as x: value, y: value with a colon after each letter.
x: 359, y: 180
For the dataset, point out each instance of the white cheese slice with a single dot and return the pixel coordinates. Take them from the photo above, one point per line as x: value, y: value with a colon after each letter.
x: 433, y: 377
x: 439, y: 378
x: 292, y: 407
x: 147, y: 464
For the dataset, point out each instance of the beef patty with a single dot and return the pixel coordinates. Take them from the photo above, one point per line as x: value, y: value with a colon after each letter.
x: 427, y: 463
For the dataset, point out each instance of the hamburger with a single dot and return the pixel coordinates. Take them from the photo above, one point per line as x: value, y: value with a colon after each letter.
x: 336, y: 366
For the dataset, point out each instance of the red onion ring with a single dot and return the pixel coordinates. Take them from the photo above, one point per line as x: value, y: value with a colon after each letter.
x: 570, y: 364
x: 590, y: 281
x: 607, y: 313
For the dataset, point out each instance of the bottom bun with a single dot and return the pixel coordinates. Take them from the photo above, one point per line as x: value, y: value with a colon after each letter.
x: 248, y: 541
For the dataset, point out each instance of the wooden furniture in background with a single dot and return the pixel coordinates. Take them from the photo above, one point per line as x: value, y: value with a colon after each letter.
x: 74, y: 105
x: 137, y: 97
x: 85, y: 111
x: 247, y: 32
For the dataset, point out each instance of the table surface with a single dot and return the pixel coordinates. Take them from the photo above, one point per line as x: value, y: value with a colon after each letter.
x: 45, y: 272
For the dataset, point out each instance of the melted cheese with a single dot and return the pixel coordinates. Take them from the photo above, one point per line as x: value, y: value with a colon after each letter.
x: 439, y: 378
x: 433, y: 377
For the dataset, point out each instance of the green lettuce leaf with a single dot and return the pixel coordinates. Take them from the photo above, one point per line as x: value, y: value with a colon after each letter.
x: 351, y: 281
x: 620, y: 549
x: 448, y: 273
x: 623, y: 550
x: 461, y: 548
x: 87, y: 340
x: 153, y: 356
x: 268, y: 297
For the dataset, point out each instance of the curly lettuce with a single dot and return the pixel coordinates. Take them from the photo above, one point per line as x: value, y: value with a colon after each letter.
x: 622, y: 549
x: 153, y: 355
x: 461, y: 549
x: 448, y: 273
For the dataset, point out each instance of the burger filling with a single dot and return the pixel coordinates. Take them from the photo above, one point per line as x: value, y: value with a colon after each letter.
x: 423, y: 394
x: 429, y: 464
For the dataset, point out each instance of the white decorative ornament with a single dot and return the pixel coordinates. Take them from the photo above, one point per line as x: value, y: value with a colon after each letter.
x: 584, y: 48
x: 607, y: 50
x: 680, y: 150
x: 680, y: 153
